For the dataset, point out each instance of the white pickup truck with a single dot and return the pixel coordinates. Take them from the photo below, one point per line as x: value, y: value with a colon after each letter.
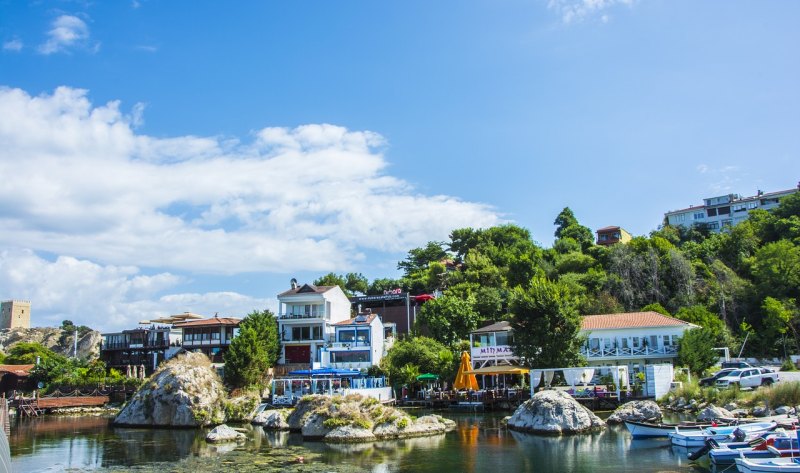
x: 748, y: 378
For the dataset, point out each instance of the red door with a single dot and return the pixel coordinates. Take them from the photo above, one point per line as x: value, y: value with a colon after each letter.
x: 298, y: 354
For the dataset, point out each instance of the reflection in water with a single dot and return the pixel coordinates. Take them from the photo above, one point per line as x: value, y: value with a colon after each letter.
x: 479, y: 444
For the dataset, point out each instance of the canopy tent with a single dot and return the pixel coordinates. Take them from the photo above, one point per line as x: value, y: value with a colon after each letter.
x: 325, y: 372
x: 500, y: 369
x: 427, y: 377
x: 464, y: 378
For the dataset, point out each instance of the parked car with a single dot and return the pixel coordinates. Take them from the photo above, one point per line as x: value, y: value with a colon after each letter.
x: 712, y: 380
x: 748, y: 378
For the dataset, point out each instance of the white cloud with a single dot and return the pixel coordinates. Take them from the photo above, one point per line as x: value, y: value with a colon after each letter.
x: 574, y: 11
x: 312, y: 198
x: 67, y: 32
x: 13, y: 45
x: 107, y: 297
x: 702, y: 168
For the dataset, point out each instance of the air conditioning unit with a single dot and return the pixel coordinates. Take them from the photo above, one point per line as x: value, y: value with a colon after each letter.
x: 675, y: 385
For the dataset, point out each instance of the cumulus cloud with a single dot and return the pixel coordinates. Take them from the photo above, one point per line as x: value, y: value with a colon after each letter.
x: 13, y: 45
x: 313, y: 198
x: 574, y: 11
x: 67, y: 32
x: 107, y: 297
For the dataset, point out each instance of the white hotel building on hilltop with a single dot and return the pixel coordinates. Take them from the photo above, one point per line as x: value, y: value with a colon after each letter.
x: 725, y: 211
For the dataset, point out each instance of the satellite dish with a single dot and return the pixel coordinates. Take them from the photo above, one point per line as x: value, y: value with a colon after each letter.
x: 40, y: 385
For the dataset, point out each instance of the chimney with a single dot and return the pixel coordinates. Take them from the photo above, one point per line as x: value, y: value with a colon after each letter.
x: 293, y: 282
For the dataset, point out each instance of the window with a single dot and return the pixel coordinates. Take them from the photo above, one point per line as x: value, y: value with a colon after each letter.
x: 349, y: 356
x: 739, y: 208
x: 727, y: 222
x: 711, y: 212
x: 346, y: 336
x: 713, y: 225
x: 362, y: 335
x: 699, y: 215
x: 317, y: 332
x: 752, y: 205
x: 724, y: 210
x: 680, y: 217
x: 301, y: 333
x: 504, y: 338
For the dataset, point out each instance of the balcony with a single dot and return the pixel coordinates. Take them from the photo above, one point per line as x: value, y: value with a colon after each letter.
x: 347, y: 345
x: 594, y: 353
x: 303, y: 316
x: 157, y: 345
x: 206, y: 343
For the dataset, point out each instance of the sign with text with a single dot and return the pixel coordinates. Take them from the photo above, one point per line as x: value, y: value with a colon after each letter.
x: 499, y: 351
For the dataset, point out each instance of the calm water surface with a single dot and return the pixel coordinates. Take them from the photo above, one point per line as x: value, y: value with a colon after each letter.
x: 479, y: 444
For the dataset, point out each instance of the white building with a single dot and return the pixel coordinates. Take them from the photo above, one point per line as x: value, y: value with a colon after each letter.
x: 307, y: 315
x: 358, y: 343
x: 723, y: 211
x: 634, y: 339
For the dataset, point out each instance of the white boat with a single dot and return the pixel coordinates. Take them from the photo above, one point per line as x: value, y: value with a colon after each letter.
x: 641, y: 430
x: 768, y: 465
x: 698, y: 437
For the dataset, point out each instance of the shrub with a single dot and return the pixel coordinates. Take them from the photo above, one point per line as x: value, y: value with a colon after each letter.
x: 334, y: 422
x: 787, y: 365
x: 402, y: 423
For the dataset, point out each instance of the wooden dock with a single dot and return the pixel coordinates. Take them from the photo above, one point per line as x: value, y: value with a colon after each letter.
x: 36, y: 405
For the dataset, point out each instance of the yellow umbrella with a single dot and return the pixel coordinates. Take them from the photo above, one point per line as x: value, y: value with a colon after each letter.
x: 464, y: 380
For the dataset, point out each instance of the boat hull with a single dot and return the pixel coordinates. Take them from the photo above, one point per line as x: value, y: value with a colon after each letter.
x: 767, y: 465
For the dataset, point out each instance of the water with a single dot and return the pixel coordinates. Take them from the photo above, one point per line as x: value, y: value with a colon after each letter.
x: 479, y: 444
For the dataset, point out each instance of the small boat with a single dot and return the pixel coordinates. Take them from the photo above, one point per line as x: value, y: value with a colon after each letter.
x: 773, y: 446
x: 698, y: 437
x: 641, y: 430
x: 768, y: 465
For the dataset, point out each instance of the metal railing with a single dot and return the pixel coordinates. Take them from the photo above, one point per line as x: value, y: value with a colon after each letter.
x: 318, y: 315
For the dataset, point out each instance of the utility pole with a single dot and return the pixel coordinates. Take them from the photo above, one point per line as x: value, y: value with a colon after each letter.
x: 75, y: 349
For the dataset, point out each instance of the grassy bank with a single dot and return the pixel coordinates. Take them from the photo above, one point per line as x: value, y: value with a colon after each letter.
x: 780, y: 394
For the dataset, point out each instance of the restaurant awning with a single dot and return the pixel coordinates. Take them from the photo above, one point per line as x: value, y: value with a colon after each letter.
x: 500, y: 369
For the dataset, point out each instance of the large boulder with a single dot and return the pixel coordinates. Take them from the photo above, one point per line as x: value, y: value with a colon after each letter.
x: 223, y: 433
x: 712, y: 412
x: 554, y: 412
x: 185, y: 392
x: 272, y: 419
x: 637, y: 411
x: 356, y: 418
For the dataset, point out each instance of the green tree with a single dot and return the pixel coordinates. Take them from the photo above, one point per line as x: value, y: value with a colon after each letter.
x: 422, y: 352
x: 253, y: 351
x: 656, y: 307
x: 776, y: 270
x: 546, y: 325
x: 333, y: 279
x: 701, y: 316
x: 449, y: 319
x: 377, y: 286
x: 356, y: 283
x: 696, y: 350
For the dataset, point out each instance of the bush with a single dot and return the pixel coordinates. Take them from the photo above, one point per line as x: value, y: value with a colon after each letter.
x: 787, y: 365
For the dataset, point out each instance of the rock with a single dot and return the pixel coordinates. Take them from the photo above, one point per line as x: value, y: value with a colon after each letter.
x: 636, y: 411
x: 712, y: 412
x: 740, y: 413
x: 350, y: 433
x: 784, y: 410
x: 731, y: 406
x: 680, y: 403
x: 184, y: 392
x: 223, y: 433
x: 243, y: 408
x: 761, y: 411
x: 554, y: 412
x: 272, y: 420
x: 355, y: 418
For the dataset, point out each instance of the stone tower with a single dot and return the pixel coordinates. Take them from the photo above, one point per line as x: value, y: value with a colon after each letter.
x: 15, y: 314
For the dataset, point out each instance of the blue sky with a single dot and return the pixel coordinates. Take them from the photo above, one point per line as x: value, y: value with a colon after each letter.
x: 160, y: 157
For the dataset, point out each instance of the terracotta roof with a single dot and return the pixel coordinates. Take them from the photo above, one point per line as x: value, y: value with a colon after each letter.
x: 631, y: 320
x: 209, y: 322
x: 19, y: 370
x: 502, y: 326
x: 367, y: 321
x: 306, y: 289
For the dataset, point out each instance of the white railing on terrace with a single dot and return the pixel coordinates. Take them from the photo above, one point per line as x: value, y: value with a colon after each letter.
x: 628, y: 352
x: 353, y: 344
x: 318, y: 315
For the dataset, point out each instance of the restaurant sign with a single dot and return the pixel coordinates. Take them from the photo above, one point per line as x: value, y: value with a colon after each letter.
x: 499, y: 351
